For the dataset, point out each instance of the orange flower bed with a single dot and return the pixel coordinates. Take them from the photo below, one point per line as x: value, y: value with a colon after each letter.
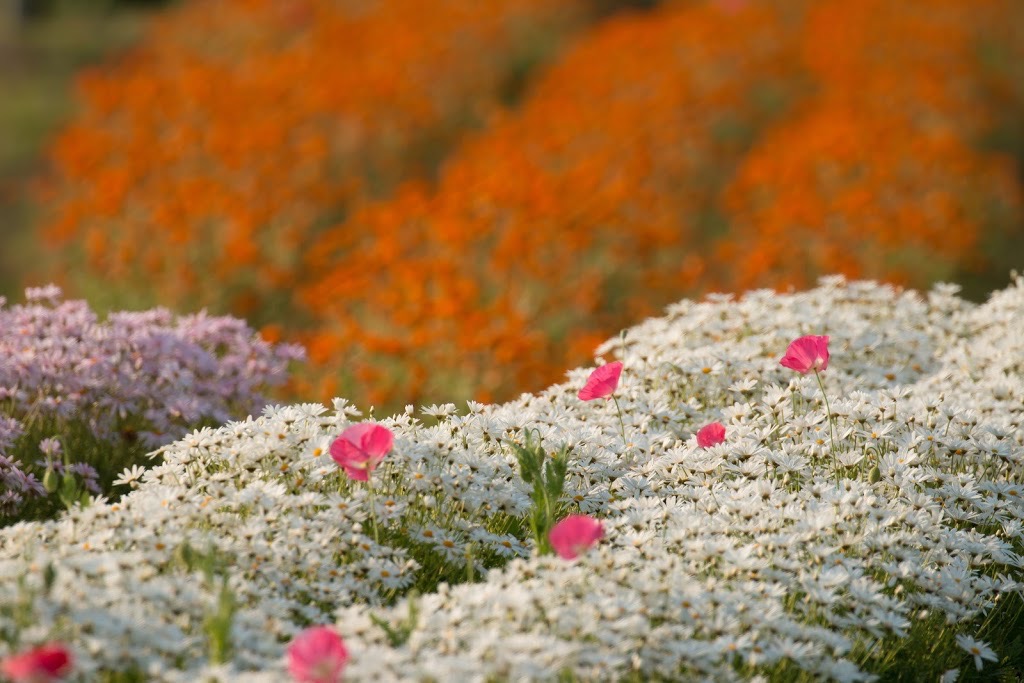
x: 562, y: 222
x: 204, y: 162
x: 877, y: 177
x: 296, y: 169
x: 926, y: 63
x: 837, y: 191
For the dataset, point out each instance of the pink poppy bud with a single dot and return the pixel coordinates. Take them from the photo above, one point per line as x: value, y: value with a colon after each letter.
x: 602, y: 383
x: 41, y: 665
x: 574, y: 535
x: 710, y: 435
x: 360, y: 448
x: 317, y: 655
x: 806, y: 354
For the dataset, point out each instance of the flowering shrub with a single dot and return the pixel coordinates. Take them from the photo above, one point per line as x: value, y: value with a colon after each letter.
x: 939, y: 68
x: 670, y: 169
x: 204, y: 163
x: 880, y: 175
x: 770, y: 554
x: 565, y: 219
x: 120, y: 386
x: 724, y: 145
x: 836, y: 190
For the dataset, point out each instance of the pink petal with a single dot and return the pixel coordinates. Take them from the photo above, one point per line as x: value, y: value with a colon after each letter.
x: 602, y: 383
x: 798, y: 356
x: 574, y: 535
x: 344, y: 452
x: 357, y: 433
x: 360, y: 448
x: 377, y: 441
x: 710, y: 435
x: 46, y: 662
x: 822, y: 351
x: 317, y: 655
x: 806, y: 354
x: 359, y: 472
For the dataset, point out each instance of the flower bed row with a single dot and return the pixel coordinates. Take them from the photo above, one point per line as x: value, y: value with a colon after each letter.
x: 238, y: 131
x: 892, y: 169
x: 586, y: 208
x: 692, y: 146
x: 854, y: 510
x: 81, y: 397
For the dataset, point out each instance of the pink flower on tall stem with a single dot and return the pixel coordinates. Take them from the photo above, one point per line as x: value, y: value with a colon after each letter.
x: 360, y: 448
x: 40, y: 665
x: 710, y: 435
x: 602, y: 383
x: 317, y: 655
x: 806, y: 354
x: 810, y: 354
x: 575, y: 535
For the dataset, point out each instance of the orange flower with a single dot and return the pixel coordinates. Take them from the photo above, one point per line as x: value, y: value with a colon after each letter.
x: 566, y: 219
x: 239, y: 129
x: 877, y: 176
x: 302, y: 168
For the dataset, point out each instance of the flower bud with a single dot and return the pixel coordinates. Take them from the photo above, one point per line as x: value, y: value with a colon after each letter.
x: 51, y: 480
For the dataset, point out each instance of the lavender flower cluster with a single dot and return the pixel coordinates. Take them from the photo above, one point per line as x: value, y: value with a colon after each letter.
x: 147, y: 375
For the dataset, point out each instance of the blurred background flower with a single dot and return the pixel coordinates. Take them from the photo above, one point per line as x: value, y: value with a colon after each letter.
x: 459, y: 199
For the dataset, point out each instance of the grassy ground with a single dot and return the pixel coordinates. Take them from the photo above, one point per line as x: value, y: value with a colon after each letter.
x: 38, y: 60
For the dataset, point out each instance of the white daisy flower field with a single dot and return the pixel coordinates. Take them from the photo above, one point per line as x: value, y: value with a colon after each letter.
x: 867, y: 527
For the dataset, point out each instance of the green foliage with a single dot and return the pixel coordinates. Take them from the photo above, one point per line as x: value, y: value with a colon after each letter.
x: 214, y: 566
x: 547, y: 476
x: 72, y: 493
x: 109, y: 457
x: 218, y: 624
x: 399, y: 634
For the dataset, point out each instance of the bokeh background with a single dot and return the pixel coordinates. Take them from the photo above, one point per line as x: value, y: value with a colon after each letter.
x: 459, y: 199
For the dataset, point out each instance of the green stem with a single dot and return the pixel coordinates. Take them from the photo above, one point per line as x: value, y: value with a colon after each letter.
x: 622, y: 425
x: 470, y: 573
x: 831, y: 425
x: 373, y: 508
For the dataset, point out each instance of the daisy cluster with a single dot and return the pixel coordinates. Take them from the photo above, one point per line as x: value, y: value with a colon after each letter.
x: 149, y: 376
x: 758, y: 550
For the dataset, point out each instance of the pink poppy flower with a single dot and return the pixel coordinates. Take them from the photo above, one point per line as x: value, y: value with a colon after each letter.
x: 574, y: 535
x: 40, y: 665
x: 709, y: 435
x: 360, y: 448
x: 317, y: 655
x: 602, y: 383
x: 806, y: 354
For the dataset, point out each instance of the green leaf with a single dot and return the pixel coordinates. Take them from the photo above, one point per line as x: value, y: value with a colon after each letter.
x: 399, y: 635
x: 218, y: 624
x: 49, y: 576
x: 51, y: 480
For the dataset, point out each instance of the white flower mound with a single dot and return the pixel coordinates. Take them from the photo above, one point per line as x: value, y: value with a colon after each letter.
x: 715, y: 562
